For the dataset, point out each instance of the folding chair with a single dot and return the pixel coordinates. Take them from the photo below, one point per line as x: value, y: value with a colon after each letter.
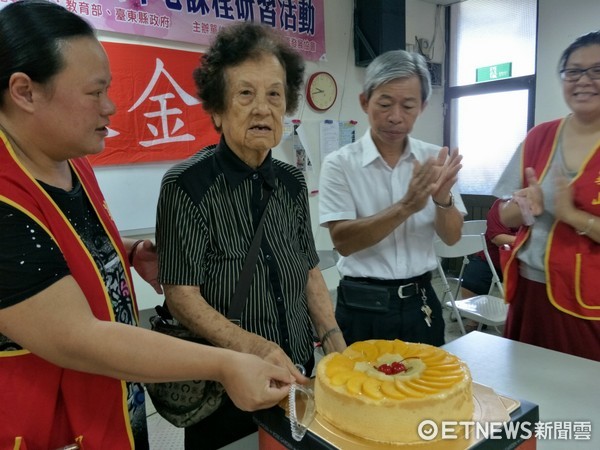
x: 474, y: 227
x: 483, y: 309
x: 469, y: 227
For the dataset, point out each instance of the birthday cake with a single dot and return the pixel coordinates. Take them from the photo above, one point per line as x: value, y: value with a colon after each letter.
x: 382, y: 390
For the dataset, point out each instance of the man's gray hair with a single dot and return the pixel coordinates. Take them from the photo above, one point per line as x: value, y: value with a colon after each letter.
x: 396, y: 64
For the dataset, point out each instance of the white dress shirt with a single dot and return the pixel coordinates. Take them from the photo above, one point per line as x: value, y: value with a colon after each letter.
x: 356, y: 182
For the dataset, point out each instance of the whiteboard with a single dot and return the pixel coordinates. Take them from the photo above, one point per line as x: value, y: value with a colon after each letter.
x: 131, y: 192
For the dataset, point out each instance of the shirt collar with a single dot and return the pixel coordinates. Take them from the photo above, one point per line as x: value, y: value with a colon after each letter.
x: 236, y: 170
x: 370, y: 152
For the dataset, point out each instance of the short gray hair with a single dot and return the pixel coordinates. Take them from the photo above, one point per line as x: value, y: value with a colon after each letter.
x: 396, y: 64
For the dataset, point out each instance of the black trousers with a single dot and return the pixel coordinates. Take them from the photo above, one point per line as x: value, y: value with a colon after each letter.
x: 226, y: 425
x: 403, y: 320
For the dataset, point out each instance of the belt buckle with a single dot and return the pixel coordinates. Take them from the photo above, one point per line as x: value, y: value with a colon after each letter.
x: 401, y: 290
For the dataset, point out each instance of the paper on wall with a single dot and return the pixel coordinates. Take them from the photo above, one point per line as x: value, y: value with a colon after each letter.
x: 334, y: 135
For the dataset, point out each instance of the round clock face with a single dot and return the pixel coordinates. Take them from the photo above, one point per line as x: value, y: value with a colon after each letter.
x: 321, y: 91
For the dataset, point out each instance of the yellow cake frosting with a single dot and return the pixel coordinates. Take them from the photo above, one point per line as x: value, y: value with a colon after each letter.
x: 381, y: 390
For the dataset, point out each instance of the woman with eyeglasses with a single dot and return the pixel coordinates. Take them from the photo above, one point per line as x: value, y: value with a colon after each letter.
x: 552, y: 275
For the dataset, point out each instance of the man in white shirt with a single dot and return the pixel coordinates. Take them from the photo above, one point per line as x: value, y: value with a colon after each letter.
x: 383, y: 199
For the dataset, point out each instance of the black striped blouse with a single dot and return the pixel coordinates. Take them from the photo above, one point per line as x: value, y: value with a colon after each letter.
x: 208, y: 208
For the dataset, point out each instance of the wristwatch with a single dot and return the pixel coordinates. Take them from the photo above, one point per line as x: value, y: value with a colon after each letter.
x: 447, y: 206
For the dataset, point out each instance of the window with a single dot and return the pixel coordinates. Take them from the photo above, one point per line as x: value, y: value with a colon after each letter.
x: 491, y: 90
x: 489, y: 129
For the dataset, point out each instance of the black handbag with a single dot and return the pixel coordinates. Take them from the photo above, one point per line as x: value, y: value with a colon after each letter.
x: 185, y: 403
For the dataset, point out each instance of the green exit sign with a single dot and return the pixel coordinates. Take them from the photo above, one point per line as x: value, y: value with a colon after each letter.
x: 496, y: 72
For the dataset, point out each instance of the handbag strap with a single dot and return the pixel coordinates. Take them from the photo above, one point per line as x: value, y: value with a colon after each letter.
x: 238, y: 302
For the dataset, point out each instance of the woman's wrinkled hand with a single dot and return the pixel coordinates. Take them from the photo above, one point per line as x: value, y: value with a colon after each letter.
x: 272, y: 353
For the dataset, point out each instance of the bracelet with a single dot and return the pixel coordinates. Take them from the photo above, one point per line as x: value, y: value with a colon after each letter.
x: 588, y: 228
x: 448, y: 206
x: 132, y: 251
x: 329, y: 333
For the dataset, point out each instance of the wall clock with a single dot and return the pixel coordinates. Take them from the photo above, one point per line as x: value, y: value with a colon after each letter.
x: 321, y: 91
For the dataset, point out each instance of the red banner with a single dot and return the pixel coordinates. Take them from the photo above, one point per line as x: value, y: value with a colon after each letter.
x: 158, y: 115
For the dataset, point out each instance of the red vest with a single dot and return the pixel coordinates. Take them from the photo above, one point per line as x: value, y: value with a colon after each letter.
x: 572, y: 262
x: 43, y: 406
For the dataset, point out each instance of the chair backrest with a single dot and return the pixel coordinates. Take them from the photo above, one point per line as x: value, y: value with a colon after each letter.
x: 474, y: 227
x: 479, y: 307
x: 468, y: 244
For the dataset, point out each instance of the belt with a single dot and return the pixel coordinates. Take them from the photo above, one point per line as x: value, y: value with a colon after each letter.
x: 407, y: 287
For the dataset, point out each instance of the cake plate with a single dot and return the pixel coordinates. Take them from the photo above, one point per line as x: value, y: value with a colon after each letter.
x: 488, y: 407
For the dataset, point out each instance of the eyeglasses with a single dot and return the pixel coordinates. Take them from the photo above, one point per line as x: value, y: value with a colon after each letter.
x: 593, y: 73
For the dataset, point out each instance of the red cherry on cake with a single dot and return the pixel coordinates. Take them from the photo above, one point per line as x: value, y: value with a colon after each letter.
x: 385, y: 368
x: 398, y: 367
x: 393, y: 368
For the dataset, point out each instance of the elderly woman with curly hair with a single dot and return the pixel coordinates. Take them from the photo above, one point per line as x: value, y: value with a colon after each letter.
x: 208, y: 211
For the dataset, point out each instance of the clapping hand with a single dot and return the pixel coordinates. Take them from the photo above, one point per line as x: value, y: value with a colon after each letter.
x: 563, y: 198
x: 435, y: 177
x: 448, y: 165
x: 532, y: 193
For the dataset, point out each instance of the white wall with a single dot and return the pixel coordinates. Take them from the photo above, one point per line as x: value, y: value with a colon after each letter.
x: 560, y: 23
x: 420, y: 22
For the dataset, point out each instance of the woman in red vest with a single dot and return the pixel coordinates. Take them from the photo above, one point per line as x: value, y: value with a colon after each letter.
x: 552, y: 276
x: 71, y: 357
